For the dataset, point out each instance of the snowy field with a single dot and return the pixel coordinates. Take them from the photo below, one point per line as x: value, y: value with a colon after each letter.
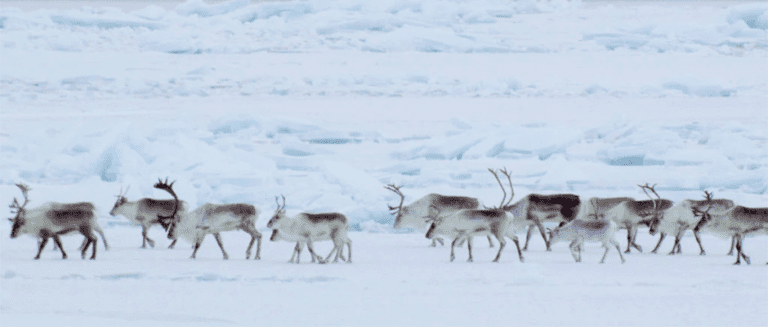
x: 326, y: 102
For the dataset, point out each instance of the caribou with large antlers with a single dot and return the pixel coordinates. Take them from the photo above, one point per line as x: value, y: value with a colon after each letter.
x: 535, y: 209
x: 211, y: 219
x: 54, y: 219
x: 418, y: 214
x: 145, y: 212
x: 467, y: 223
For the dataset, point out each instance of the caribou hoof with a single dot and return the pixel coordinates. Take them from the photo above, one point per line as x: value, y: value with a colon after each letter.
x: 469, y: 260
x: 703, y: 253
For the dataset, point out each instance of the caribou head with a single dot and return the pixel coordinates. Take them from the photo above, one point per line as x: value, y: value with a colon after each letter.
x: 121, y: 200
x: 278, y: 215
x: 19, y: 220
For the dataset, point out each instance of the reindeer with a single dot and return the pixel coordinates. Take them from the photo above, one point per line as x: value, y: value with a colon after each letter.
x: 307, y: 227
x: 53, y: 219
x: 736, y: 222
x: 537, y: 209
x: 578, y: 231
x: 277, y: 236
x: 631, y: 213
x: 145, y: 212
x: 681, y: 217
x: 211, y: 219
x: 466, y: 223
x: 418, y: 214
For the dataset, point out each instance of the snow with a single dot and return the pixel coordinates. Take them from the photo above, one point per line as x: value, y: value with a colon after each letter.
x: 327, y: 102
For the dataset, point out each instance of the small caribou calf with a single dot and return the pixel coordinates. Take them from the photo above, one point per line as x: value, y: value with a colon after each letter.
x: 305, y: 228
x: 212, y: 219
x: 145, y: 212
x: 579, y: 231
x: 54, y: 219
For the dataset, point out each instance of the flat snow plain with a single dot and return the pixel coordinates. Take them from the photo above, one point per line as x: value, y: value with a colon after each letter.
x: 326, y: 102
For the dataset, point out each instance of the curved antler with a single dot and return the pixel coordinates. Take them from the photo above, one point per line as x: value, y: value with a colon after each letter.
x: 511, y: 188
x: 502, y: 186
x: 163, y: 185
x: 653, y: 189
x: 24, y: 191
x: 708, y: 196
x: 279, y: 207
x: 395, y: 189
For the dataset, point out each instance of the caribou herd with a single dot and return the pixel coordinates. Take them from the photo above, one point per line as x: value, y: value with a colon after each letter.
x: 456, y: 218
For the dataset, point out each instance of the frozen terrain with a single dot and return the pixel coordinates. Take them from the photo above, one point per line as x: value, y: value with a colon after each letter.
x: 326, y: 102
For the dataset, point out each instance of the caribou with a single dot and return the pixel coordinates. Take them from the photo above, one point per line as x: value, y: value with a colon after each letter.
x: 211, y: 219
x: 578, y: 231
x: 304, y: 228
x: 681, y: 217
x: 296, y: 256
x: 735, y: 223
x: 52, y: 220
x: 418, y: 214
x: 467, y: 223
x: 631, y: 214
x: 145, y: 212
x: 537, y: 209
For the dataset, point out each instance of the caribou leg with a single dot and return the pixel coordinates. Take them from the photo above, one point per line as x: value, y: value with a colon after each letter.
x: 255, y: 235
x: 453, y: 245
x: 634, y: 237
x: 42, y: 245
x: 618, y: 249
x: 661, y: 239
x: 217, y: 236
x: 698, y: 240
x: 490, y: 241
x: 57, y: 242
x: 528, y: 237
x: 733, y: 245
x: 173, y: 244
x: 502, y: 244
x: 146, y: 239
x: 543, y: 236
x: 469, y: 248
x: 572, y: 247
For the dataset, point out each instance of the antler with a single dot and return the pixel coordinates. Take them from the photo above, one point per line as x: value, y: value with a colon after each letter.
x: 653, y: 189
x: 163, y: 185
x: 500, y: 185
x: 708, y: 196
x: 396, y: 189
x: 512, y: 189
x: 279, y: 207
x: 24, y: 191
x: 126, y: 190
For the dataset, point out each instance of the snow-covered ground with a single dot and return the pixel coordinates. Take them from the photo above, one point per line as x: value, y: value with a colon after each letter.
x: 326, y: 102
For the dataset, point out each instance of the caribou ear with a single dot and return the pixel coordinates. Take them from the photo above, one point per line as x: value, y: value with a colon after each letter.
x: 10, y: 219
